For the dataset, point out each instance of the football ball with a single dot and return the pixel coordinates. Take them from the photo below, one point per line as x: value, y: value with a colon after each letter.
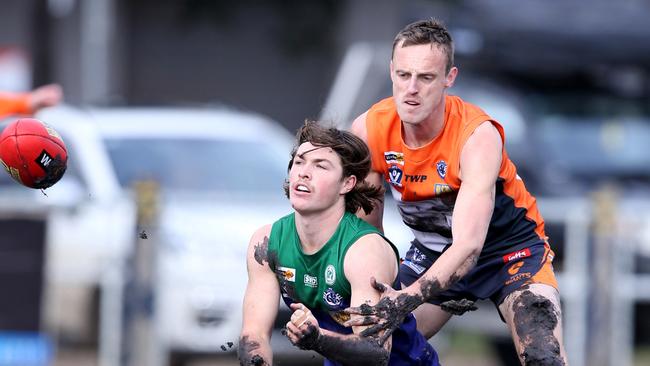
x: 33, y: 153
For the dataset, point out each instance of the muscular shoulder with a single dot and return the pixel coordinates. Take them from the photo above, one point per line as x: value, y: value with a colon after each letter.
x: 259, y: 245
x: 359, y: 127
x: 371, y: 255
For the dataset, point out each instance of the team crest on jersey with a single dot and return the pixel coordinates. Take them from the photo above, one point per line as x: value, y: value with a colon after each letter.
x: 332, y: 298
x: 394, y: 157
x: 441, y: 168
x: 330, y: 274
x: 395, y: 175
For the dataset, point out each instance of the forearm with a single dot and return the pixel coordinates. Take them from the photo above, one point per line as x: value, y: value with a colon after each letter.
x: 452, y: 265
x: 254, y: 351
x: 351, y: 349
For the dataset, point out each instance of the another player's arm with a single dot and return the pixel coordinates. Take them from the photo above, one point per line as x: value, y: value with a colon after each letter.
x: 261, y: 302
x: 369, y: 257
x: 374, y: 178
x: 480, y: 162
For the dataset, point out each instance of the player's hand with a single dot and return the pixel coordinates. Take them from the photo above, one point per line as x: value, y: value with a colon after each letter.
x: 387, y: 315
x: 303, y: 329
x: 46, y: 96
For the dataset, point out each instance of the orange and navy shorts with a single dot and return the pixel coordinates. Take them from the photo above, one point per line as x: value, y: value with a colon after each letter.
x: 494, y: 277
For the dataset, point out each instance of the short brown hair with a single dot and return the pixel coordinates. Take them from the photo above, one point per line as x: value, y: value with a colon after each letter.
x: 430, y: 31
x: 355, y: 159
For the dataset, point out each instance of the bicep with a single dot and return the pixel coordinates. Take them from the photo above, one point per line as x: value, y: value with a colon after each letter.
x: 262, y: 296
x: 370, y: 257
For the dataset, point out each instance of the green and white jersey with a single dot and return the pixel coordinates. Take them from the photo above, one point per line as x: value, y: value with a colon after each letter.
x: 316, y: 280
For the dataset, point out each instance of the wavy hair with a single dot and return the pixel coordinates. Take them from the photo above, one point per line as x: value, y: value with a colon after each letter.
x: 355, y: 159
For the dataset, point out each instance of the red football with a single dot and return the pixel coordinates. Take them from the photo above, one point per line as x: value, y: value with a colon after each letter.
x: 33, y: 153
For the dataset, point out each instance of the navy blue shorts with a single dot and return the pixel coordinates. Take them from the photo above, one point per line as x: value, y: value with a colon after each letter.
x: 494, y: 277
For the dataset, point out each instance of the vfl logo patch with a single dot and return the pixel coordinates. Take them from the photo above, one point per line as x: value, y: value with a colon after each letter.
x: 332, y: 298
x: 310, y: 281
x: 394, y: 157
x: 44, y: 159
x: 395, y: 175
x: 288, y: 274
x: 441, y: 168
x: 524, y: 253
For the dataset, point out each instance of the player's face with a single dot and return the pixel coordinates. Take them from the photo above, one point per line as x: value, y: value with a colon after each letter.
x: 420, y: 81
x: 315, y: 179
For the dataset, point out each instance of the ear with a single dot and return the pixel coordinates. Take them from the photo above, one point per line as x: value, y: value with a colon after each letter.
x: 451, y: 77
x: 348, y: 184
x: 391, y: 68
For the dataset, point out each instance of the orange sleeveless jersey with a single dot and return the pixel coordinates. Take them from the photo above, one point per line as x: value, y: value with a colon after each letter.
x: 14, y: 104
x: 425, y: 181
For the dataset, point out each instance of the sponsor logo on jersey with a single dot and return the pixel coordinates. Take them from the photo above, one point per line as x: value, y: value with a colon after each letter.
x: 439, y: 189
x: 519, y: 277
x: 310, y: 281
x: 394, y: 157
x: 441, y: 168
x: 331, y: 298
x: 520, y: 254
x: 340, y: 316
x: 330, y: 274
x: 415, y: 178
x: 514, y: 269
x: 288, y: 274
x: 415, y: 267
x: 395, y: 175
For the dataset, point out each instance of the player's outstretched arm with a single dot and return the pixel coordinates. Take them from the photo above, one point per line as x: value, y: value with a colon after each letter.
x: 261, y: 302
x: 480, y: 163
x: 369, y: 256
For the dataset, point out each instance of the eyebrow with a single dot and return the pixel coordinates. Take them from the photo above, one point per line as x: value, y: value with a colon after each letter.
x: 317, y: 160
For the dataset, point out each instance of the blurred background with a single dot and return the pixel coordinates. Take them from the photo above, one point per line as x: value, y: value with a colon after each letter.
x: 179, y: 116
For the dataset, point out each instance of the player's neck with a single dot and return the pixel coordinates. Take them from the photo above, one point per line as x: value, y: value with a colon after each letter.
x: 420, y: 134
x: 314, y: 230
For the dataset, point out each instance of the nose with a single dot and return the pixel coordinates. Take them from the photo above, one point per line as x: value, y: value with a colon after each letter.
x: 412, y: 86
x: 304, y: 172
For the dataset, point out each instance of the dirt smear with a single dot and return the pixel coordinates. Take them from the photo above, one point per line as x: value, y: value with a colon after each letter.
x: 458, y: 307
x: 535, y: 318
x: 247, y: 355
x: 261, y: 251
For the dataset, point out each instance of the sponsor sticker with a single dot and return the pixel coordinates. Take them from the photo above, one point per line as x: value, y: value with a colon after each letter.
x: 415, y: 267
x: 439, y: 189
x: 394, y: 157
x: 310, y: 281
x: 289, y: 274
x: 520, y: 254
